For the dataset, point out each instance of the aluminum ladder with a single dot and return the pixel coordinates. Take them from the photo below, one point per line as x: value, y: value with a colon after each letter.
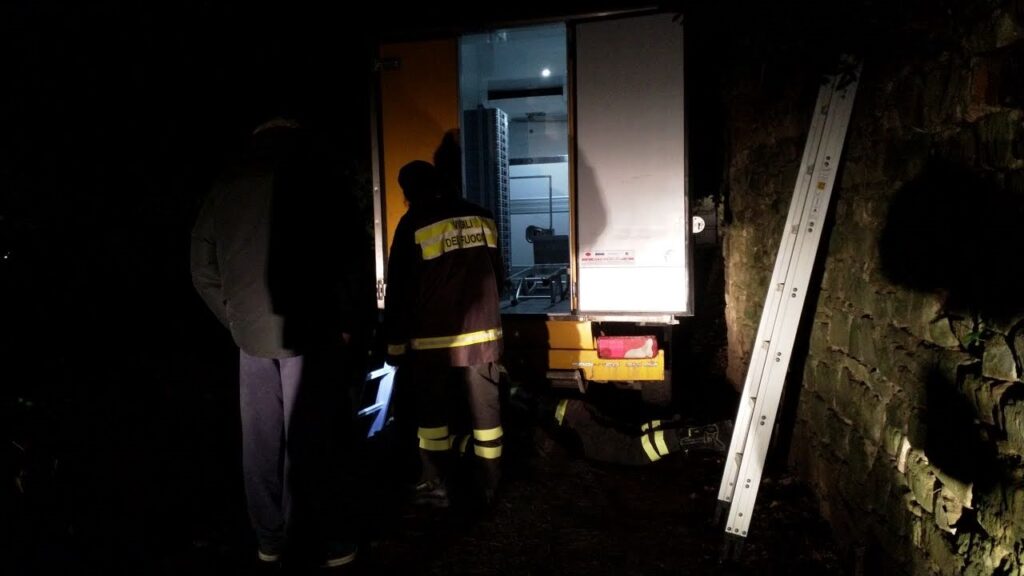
x: 780, y: 318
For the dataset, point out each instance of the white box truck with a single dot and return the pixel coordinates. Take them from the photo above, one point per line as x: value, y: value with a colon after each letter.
x: 572, y: 131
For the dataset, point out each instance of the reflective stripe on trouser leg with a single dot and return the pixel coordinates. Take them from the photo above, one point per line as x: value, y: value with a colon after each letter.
x: 434, y: 439
x: 435, y: 444
x: 481, y: 386
x: 650, y: 425
x: 654, y: 445
x: 431, y: 385
x: 560, y: 410
x: 462, y: 442
x: 487, y: 443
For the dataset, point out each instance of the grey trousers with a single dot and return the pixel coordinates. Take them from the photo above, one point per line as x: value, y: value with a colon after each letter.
x: 268, y: 390
x: 293, y: 438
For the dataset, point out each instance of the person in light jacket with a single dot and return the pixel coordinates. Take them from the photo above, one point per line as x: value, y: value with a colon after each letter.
x: 278, y: 259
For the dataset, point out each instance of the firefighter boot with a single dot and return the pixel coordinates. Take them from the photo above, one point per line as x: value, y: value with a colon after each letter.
x: 432, y: 489
x: 431, y: 494
x: 714, y: 437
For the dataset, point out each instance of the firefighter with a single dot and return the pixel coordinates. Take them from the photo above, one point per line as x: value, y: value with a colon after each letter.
x: 442, y: 323
x: 604, y: 439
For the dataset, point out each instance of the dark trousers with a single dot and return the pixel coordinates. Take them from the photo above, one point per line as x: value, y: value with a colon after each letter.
x: 293, y: 439
x: 444, y: 396
x: 603, y: 440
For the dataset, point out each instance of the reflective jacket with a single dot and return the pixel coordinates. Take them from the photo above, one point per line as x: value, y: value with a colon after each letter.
x: 444, y: 274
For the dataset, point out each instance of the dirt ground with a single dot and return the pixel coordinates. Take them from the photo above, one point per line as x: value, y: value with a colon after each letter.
x: 158, y: 490
x: 169, y: 501
x: 559, y: 513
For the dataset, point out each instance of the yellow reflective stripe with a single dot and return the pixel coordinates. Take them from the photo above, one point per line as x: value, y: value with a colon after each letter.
x: 652, y: 454
x: 432, y: 433
x: 267, y: 557
x: 435, y: 445
x: 463, y: 443
x: 487, y: 435
x: 457, y: 340
x: 396, y: 349
x: 659, y: 443
x: 335, y: 562
x: 650, y: 425
x: 560, y: 410
x: 455, y: 233
x: 488, y: 452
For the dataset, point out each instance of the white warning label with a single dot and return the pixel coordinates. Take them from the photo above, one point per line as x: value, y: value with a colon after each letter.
x: 607, y: 258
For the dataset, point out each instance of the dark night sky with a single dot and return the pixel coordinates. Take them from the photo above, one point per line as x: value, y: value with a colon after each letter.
x: 115, y: 120
x: 118, y: 116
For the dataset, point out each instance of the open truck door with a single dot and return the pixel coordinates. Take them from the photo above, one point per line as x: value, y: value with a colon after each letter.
x: 572, y: 133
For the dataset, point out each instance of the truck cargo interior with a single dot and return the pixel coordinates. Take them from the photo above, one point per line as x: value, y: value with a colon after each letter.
x: 515, y: 134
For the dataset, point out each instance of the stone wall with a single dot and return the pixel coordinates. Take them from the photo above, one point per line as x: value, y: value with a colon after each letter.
x: 910, y: 409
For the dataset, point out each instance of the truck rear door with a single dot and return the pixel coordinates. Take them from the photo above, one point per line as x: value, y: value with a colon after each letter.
x: 632, y: 218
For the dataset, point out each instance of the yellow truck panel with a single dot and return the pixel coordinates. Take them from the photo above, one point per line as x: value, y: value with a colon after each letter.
x: 570, y: 335
x: 608, y: 369
x: 419, y: 103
